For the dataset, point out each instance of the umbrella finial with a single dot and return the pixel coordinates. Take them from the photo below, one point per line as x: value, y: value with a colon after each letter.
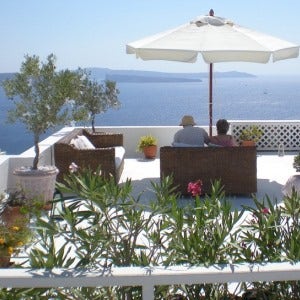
x: 211, y: 12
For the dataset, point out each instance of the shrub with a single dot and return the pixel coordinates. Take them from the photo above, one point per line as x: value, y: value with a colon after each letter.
x: 104, y: 226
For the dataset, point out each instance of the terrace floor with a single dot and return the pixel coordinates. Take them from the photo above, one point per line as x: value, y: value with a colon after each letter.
x: 272, y: 174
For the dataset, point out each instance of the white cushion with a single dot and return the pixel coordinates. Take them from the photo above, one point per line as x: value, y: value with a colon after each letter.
x: 119, y: 155
x: 73, y: 142
x: 76, y: 143
x: 84, y: 143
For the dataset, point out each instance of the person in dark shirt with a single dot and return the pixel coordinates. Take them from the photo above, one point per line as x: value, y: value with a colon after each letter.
x: 222, y: 138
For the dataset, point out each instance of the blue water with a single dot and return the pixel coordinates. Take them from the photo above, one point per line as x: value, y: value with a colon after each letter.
x: 259, y: 98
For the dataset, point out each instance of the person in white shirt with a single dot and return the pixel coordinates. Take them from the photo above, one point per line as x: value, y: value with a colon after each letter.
x: 189, y: 135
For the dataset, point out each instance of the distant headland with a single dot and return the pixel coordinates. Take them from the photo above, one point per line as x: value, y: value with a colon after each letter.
x: 149, y: 76
x: 152, y: 76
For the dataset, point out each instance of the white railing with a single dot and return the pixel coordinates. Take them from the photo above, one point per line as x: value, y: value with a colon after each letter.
x: 274, y: 133
x: 148, y: 278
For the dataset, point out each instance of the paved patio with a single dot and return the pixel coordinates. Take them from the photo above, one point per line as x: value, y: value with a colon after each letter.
x: 272, y: 174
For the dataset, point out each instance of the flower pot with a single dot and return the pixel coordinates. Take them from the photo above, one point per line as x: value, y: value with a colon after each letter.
x: 248, y: 143
x: 12, y: 215
x: 37, y: 184
x: 47, y: 205
x: 150, y: 151
x: 5, y: 261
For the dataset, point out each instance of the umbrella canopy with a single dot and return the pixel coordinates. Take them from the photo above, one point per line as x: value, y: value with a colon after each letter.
x: 217, y: 40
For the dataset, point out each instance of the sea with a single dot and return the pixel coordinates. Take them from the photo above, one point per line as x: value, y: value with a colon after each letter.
x: 164, y: 103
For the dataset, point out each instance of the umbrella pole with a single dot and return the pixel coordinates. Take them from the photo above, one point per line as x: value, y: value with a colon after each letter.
x: 210, y: 97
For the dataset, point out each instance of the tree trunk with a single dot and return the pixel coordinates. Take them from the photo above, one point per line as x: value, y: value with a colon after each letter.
x: 37, y: 151
x: 93, y: 124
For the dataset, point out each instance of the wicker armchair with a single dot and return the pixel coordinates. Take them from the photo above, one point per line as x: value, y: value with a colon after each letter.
x: 103, y: 156
x: 234, y: 166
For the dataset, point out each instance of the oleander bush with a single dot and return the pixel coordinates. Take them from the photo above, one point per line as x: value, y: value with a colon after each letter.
x: 104, y: 226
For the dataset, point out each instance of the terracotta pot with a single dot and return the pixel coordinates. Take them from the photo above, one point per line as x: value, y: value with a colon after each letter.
x: 37, y: 184
x: 47, y: 205
x: 248, y: 143
x: 5, y: 261
x: 12, y: 215
x: 150, y: 151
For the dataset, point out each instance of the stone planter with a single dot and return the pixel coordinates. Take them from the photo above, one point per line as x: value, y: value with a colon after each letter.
x: 37, y: 184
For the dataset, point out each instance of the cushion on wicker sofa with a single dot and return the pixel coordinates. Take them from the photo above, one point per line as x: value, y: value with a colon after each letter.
x: 82, y: 142
x: 119, y: 155
x: 235, y: 167
x: 106, y: 152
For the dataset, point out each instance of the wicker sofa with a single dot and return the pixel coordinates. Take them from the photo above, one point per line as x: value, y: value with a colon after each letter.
x: 104, y: 155
x: 234, y: 166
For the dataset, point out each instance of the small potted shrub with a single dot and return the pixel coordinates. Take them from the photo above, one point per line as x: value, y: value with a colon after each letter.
x: 17, y: 208
x: 148, y: 145
x: 95, y: 98
x: 296, y: 163
x: 13, y: 212
x: 12, y: 240
x: 251, y: 135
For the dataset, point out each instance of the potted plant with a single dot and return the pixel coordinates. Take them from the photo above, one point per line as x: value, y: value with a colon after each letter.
x: 12, y: 239
x: 12, y: 205
x: 296, y: 163
x: 148, y: 145
x: 16, y: 207
x: 95, y: 98
x: 39, y: 94
x: 251, y: 135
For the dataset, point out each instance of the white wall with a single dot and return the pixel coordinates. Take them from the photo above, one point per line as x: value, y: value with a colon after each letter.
x: 131, y: 136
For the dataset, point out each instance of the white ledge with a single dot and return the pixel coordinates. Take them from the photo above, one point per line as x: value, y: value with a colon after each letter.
x: 126, y: 276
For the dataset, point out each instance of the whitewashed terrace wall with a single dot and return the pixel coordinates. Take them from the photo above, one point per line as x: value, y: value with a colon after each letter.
x: 287, y: 132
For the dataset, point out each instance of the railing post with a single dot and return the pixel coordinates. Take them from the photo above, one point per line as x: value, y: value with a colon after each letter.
x: 148, y: 292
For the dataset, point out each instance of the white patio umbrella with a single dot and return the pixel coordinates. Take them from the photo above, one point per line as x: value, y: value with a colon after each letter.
x: 217, y: 40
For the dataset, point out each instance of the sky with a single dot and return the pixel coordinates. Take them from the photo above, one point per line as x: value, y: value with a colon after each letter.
x: 94, y: 33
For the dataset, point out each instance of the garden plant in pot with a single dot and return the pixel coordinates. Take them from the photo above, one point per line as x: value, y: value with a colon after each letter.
x: 95, y: 98
x: 16, y: 208
x: 13, y: 204
x: 148, y: 145
x: 40, y: 95
x: 15, y: 231
x: 296, y: 162
x: 13, y: 239
x: 250, y: 135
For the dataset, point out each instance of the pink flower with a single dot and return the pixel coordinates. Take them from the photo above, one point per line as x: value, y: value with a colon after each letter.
x: 73, y: 167
x: 195, y: 188
x: 265, y: 211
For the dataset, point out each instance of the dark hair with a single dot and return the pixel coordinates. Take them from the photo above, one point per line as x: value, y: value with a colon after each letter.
x: 222, y: 126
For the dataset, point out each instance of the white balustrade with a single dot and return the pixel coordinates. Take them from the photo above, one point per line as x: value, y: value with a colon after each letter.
x: 148, y: 278
x: 274, y: 133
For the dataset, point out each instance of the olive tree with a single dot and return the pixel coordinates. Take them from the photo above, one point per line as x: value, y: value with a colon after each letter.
x: 95, y: 98
x: 40, y: 93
